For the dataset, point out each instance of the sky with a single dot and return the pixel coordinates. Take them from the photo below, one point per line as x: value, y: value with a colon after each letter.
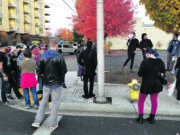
x: 60, y: 13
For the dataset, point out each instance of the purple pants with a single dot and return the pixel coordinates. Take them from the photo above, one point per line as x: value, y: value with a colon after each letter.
x: 154, y: 103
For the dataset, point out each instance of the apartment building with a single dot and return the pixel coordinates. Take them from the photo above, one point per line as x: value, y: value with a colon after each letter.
x: 23, y: 17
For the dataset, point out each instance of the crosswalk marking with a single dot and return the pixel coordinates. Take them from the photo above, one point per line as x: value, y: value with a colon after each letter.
x: 44, y: 129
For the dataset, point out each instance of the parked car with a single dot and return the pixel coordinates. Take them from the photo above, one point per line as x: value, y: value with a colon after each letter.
x: 65, y: 48
x: 75, y: 46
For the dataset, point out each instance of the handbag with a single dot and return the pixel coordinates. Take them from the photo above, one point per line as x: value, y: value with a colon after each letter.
x: 81, y: 71
x: 171, y: 88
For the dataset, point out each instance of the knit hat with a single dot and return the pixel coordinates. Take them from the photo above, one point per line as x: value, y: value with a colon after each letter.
x: 150, y: 51
x: 43, y: 47
x: 35, y: 51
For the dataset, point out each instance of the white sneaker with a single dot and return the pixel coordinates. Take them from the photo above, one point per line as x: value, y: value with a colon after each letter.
x: 53, y: 128
x: 178, y: 102
x: 36, y: 125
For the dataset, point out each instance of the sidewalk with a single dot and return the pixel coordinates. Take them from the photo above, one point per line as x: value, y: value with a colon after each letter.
x: 73, y: 102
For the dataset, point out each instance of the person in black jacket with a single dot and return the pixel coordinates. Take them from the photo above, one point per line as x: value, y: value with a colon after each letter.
x: 144, y: 44
x: 132, y: 44
x: 151, y: 84
x: 3, y: 70
x: 52, y: 67
x: 6, y: 73
x: 88, y: 59
x: 13, y: 67
x: 177, y: 68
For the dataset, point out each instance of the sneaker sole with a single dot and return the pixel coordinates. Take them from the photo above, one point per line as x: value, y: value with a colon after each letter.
x: 35, y: 126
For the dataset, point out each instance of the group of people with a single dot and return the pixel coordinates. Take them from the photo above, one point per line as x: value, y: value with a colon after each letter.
x: 21, y: 68
x: 153, y: 71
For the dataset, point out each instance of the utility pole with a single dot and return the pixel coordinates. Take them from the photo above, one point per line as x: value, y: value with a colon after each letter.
x: 100, y: 51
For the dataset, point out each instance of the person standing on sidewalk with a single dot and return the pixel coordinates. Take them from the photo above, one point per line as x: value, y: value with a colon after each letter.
x: 79, y: 51
x: 88, y: 60
x: 52, y: 67
x: 144, y: 44
x: 177, y: 67
x: 133, y: 44
x: 172, y: 51
x: 3, y: 70
x: 151, y: 84
x: 6, y: 74
x: 28, y: 79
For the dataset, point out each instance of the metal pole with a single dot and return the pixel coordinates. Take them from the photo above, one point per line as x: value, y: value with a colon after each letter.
x: 100, y: 51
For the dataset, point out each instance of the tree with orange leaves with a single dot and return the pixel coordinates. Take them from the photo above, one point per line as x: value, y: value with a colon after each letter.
x: 66, y: 35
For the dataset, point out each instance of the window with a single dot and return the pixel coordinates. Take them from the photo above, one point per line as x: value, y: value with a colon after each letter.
x: 67, y: 46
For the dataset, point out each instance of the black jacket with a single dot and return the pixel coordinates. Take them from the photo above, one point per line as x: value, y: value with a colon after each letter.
x: 79, y: 51
x: 53, y: 67
x: 151, y: 83
x: 178, y: 73
x: 88, y: 59
x: 146, y: 43
x: 134, y: 43
x: 4, y: 60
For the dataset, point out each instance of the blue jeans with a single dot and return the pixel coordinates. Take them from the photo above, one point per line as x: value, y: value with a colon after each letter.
x: 34, y: 95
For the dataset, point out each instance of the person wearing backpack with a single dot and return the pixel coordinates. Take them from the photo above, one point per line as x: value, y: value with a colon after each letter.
x: 172, y: 51
x: 152, y: 84
x: 88, y: 60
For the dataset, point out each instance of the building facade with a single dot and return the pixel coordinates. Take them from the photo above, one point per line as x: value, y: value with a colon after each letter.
x: 23, y: 17
x: 159, y: 38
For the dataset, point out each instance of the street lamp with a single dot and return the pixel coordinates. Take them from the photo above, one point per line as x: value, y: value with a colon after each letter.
x: 100, y: 52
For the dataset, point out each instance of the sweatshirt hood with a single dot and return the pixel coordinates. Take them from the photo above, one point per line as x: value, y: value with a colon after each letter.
x: 50, y: 53
x: 142, y: 36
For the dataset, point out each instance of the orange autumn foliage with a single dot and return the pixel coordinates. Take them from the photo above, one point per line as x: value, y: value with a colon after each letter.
x: 66, y: 34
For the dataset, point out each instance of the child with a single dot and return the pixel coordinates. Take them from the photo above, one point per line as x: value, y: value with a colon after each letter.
x: 28, y: 79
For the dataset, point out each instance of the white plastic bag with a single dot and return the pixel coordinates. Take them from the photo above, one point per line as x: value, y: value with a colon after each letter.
x: 171, y: 88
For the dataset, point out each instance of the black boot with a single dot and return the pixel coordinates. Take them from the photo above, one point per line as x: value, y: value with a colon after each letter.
x: 151, y: 118
x: 140, y: 119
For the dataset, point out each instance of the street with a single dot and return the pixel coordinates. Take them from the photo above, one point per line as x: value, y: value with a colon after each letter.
x: 15, y: 122
x: 114, y: 62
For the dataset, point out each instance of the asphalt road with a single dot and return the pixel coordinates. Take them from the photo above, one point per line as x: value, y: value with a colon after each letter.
x: 15, y: 122
x: 112, y: 63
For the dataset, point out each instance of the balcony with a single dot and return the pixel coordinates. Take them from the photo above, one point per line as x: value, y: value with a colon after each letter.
x: 47, y: 28
x: 12, y: 16
x: 37, y: 24
x: 36, y: 7
x: 26, y: 12
x: 47, y: 21
x: 26, y: 1
x: 47, y: 6
x: 26, y: 21
x: 36, y: 16
x: 47, y: 14
x: 11, y: 4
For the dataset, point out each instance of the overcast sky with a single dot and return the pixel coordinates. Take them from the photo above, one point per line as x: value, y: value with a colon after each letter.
x: 59, y: 13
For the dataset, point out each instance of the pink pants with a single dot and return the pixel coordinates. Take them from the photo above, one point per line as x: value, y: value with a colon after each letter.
x: 154, y: 104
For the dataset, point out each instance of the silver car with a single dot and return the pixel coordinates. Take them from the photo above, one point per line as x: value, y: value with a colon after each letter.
x: 65, y: 48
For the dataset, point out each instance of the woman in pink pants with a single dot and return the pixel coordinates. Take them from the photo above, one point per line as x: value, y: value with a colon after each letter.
x: 151, y: 84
